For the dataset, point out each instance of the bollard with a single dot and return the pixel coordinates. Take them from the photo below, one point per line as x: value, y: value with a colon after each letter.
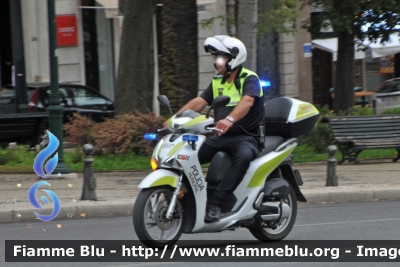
x: 89, y: 182
x: 331, y: 179
x: 45, y: 140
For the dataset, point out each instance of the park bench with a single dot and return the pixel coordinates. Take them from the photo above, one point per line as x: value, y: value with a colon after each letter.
x: 22, y: 128
x: 354, y: 134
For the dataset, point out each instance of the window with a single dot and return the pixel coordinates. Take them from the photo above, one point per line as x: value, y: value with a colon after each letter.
x: 66, y: 96
x: 390, y: 87
x: 87, y: 98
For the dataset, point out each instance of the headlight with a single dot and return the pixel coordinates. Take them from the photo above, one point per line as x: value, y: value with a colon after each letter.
x: 154, y: 164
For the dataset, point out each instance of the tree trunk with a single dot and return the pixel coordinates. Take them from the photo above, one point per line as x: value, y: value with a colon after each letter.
x: 268, y: 63
x: 180, y: 52
x: 136, y: 65
x: 247, y: 30
x: 344, y: 80
x: 231, y: 17
x: 121, y: 5
x: 268, y: 56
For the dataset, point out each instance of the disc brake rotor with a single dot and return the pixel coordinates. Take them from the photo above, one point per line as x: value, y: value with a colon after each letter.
x: 162, y: 222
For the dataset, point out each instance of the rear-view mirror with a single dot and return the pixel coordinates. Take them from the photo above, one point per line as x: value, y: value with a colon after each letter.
x: 220, y: 101
x: 164, y: 101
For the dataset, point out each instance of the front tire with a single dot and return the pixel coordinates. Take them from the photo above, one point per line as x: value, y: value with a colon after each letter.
x: 285, y: 225
x: 149, y: 221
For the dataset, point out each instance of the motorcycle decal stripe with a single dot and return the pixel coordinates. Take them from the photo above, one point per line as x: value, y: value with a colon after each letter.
x: 175, y: 149
x: 169, y: 121
x: 306, y: 110
x: 195, y: 121
x: 160, y: 144
x: 166, y: 180
x: 265, y: 169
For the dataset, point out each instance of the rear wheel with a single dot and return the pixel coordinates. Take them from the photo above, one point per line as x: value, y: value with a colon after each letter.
x: 283, y: 226
x: 149, y: 221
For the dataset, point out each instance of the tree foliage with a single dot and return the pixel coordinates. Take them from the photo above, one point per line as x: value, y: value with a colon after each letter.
x: 377, y: 16
x: 280, y: 18
x: 353, y: 20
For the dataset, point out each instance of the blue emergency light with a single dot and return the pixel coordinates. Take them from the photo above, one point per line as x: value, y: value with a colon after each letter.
x: 190, y: 138
x: 150, y: 136
x: 265, y: 83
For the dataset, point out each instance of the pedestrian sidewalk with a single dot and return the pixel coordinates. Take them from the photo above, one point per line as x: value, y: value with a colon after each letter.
x: 116, y: 191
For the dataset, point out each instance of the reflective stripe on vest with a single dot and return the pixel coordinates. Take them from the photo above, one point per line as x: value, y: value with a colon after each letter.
x: 230, y: 90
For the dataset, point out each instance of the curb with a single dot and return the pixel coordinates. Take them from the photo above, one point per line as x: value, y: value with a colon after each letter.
x: 90, y: 209
x: 346, y: 194
x: 79, y: 210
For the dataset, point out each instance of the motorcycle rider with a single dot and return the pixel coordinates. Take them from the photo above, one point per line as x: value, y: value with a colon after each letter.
x: 239, y: 120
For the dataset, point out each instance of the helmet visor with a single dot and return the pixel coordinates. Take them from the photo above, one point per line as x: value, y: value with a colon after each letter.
x: 214, y: 46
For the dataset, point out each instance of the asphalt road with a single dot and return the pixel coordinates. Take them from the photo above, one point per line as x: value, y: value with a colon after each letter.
x: 352, y: 221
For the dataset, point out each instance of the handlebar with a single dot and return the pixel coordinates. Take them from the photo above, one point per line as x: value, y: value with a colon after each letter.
x: 161, y: 130
x: 214, y: 129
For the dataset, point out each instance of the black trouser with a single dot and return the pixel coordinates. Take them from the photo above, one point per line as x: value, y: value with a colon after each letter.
x: 242, y: 148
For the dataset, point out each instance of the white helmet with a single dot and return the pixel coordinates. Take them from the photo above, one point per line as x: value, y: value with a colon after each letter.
x: 224, y: 44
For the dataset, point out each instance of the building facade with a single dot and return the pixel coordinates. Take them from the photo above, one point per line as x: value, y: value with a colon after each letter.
x: 92, y: 57
x: 88, y: 42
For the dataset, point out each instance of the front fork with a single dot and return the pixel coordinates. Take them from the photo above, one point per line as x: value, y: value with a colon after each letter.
x: 171, y: 206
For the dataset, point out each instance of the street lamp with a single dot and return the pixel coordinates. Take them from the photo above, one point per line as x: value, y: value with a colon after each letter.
x: 55, y: 110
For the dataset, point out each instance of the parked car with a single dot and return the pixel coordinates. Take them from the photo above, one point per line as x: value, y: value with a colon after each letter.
x: 359, y: 100
x: 74, y: 98
x: 386, y: 96
x: 356, y: 89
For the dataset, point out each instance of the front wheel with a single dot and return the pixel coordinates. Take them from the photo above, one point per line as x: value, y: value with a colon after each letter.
x: 149, y: 221
x: 283, y: 227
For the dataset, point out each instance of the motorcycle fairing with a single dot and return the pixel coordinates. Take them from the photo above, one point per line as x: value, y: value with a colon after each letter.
x: 160, y: 177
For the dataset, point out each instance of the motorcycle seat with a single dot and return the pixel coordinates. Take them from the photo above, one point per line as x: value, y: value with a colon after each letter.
x: 221, y: 161
x: 270, y: 144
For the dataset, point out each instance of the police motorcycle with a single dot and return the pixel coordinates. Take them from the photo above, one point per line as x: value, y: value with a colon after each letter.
x: 173, y: 198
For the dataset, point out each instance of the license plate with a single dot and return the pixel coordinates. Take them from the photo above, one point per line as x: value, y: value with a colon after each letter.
x: 389, y: 99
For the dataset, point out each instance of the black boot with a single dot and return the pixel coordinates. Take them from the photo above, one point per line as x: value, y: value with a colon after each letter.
x: 214, y: 211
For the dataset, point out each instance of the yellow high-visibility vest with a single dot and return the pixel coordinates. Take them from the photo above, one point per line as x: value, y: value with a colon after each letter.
x: 230, y: 90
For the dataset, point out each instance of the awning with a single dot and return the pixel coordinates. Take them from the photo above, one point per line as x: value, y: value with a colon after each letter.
x: 109, y: 4
x: 111, y: 7
x: 392, y: 46
x: 377, y: 49
x: 331, y: 45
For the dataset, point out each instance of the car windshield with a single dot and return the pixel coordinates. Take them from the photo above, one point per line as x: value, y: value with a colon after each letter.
x: 7, y: 95
x: 6, y: 92
x: 390, y: 87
